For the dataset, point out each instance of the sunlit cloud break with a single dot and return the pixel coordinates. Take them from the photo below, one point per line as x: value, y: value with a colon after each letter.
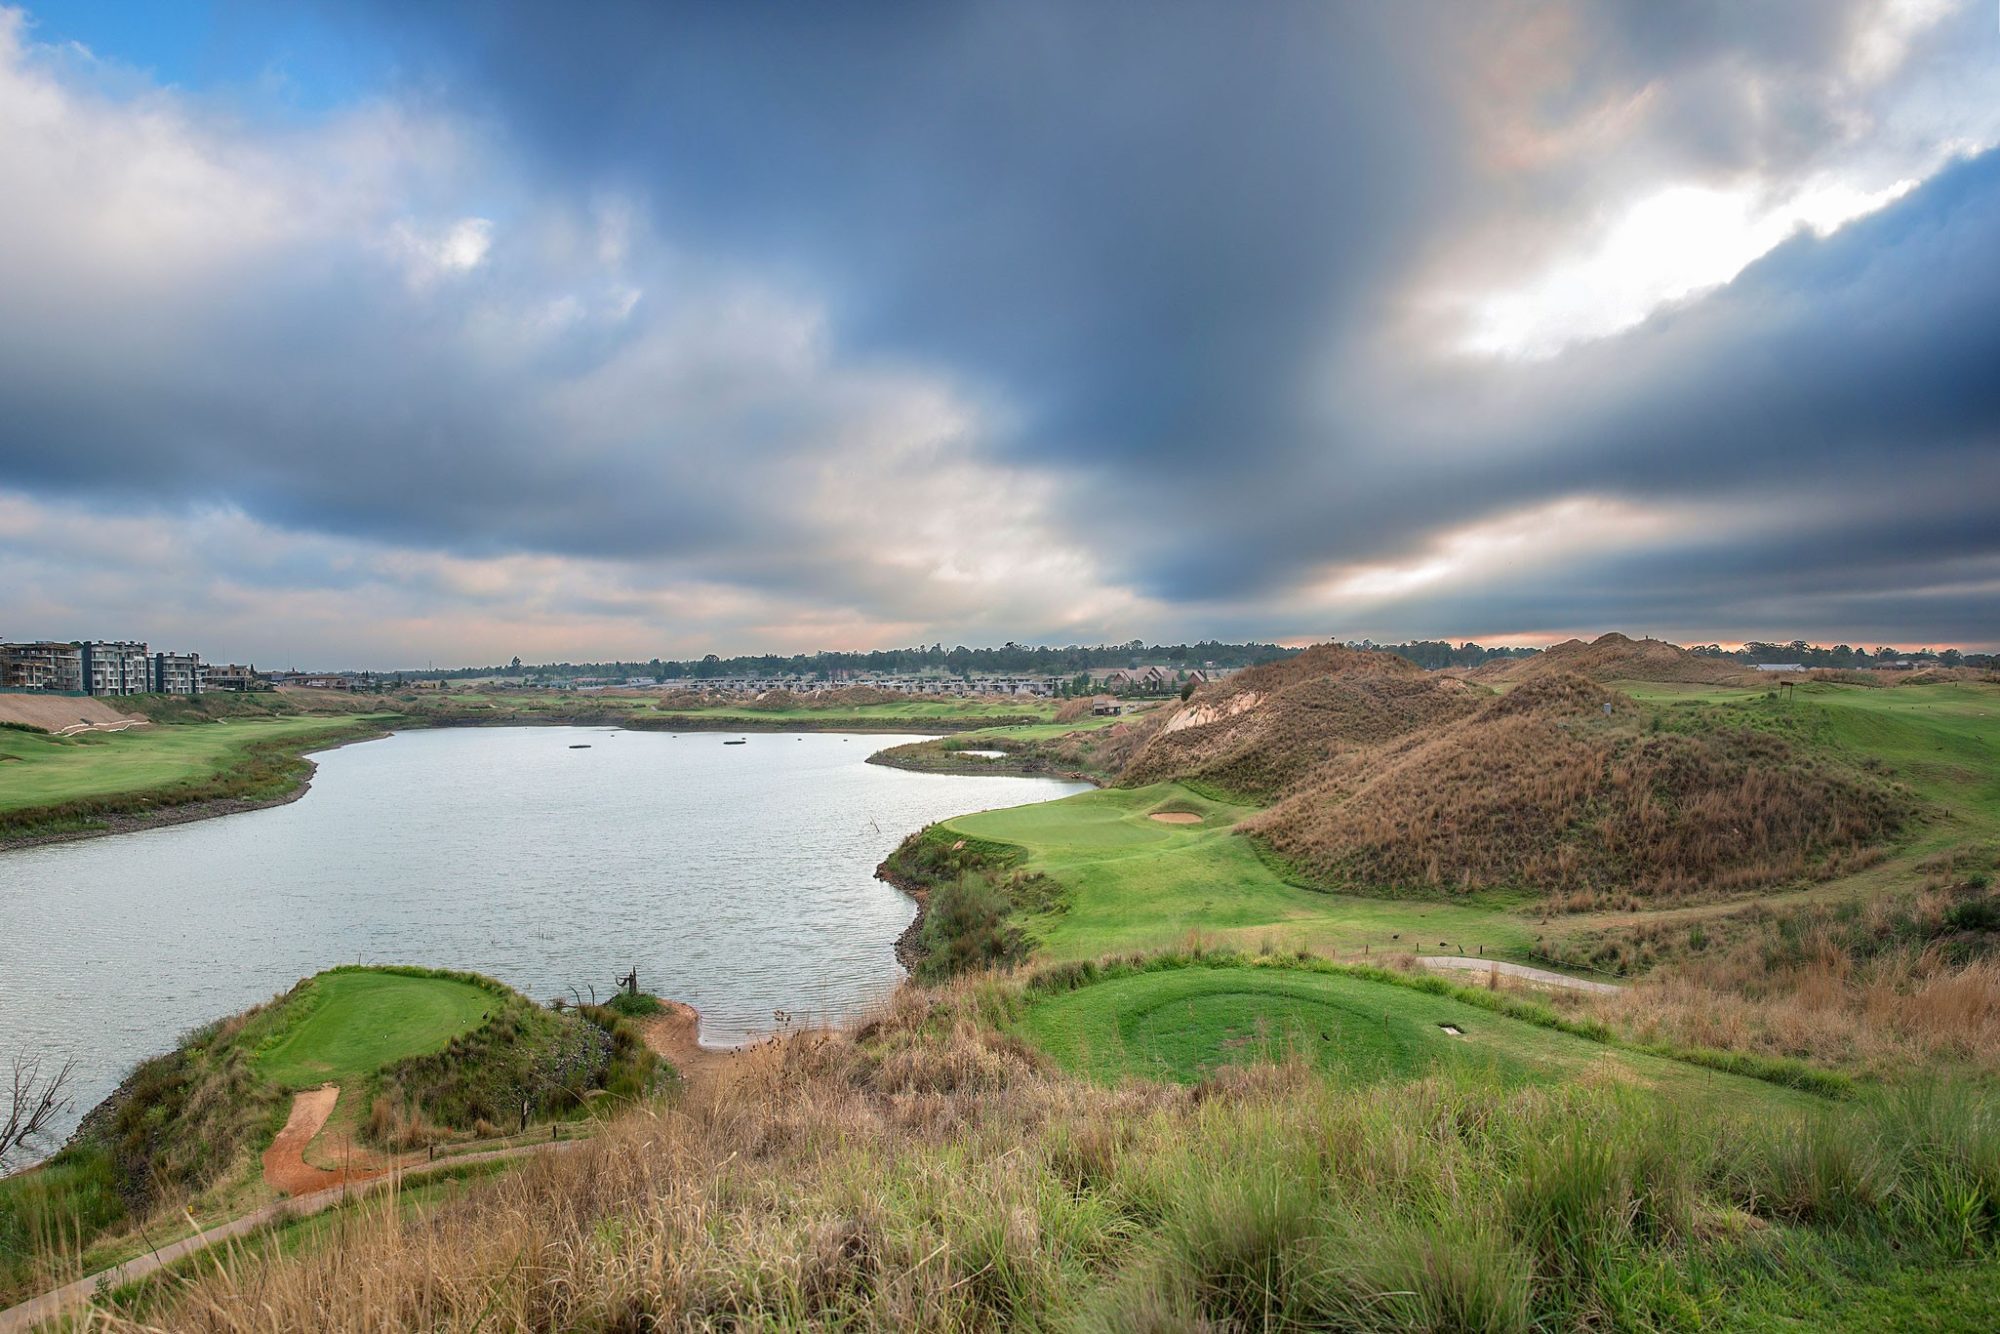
x: 1407, y: 320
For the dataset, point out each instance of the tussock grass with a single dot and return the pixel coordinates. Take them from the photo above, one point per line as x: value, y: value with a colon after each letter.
x: 1565, y: 787
x: 928, y: 1173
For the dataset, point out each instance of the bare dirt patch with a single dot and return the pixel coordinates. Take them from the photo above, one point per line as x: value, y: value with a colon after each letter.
x: 55, y: 712
x: 1175, y: 817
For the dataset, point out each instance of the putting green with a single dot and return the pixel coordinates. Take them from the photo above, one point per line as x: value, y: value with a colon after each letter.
x: 358, y: 1021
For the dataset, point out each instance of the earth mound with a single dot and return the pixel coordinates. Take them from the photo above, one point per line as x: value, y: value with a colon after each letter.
x: 1567, y: 788
x: 1262, y: 731
x: 1616, y: 657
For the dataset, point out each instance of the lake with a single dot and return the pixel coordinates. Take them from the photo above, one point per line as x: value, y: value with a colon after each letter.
x: 738, y: 878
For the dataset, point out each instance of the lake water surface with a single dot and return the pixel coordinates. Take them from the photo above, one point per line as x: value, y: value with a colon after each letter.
x: 737, y: 878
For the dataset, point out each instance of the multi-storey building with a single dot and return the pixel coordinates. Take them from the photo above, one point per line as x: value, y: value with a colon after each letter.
x: 177, y: 673
x: 116, y: 667
x: 231, y: 676
x: 43, y: 666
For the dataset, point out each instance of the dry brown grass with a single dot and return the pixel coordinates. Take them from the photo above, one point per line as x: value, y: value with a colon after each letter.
x: 927, y: 1173
x: 1544, y: 788
x: 1271, y: 727
x: 1881, y: 1018
x: 1880, y: 985
x: 1616, y: 657
x: 764, y: 1206
x: 1073, y: 710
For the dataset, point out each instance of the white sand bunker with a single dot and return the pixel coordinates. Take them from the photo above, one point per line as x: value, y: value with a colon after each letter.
x: 1176, y: 817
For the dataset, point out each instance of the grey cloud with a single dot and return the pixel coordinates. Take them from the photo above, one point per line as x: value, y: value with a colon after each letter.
x: 1154, y: 242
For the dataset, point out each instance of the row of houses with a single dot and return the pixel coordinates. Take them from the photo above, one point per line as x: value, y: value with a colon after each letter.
x: 114, y: 667
x: 1140, y: 680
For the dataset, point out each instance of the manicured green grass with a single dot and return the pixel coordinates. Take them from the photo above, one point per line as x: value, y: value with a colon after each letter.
x: 47, y: 770
x: 1042, y: 731
x: 357, y: 1022
x: 1182, y: 1021
x: 1137, y: 884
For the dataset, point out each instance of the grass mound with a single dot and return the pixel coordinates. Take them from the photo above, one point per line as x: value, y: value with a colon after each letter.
x: 1616, y: 657
x: 1262, y: 731
x: 1565, y: 787
x: 970, y: 890
x: 431, y: 1055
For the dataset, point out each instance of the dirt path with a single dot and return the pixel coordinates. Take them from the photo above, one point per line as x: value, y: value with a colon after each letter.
x: 37, y: 1310
x: 285, y: 1165
x: 1467, y: 964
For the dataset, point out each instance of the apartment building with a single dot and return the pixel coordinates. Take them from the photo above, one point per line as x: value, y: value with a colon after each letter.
x: 177, y: 673
x: 41, y: 666
x: 116, y: 667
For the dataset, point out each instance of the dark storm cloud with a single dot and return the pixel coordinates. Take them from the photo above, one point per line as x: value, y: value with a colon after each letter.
x: 1845, y: 374
x: 1156, y: 253
x: 1143, y: 224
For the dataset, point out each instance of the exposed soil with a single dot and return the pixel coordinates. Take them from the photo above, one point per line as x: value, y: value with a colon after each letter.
x: 676, y: 1035
x: 1175, y: 817
x: 285, y: 1165
x: 55, y: 712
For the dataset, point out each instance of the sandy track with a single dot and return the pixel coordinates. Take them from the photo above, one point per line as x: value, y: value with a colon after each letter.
x: 1467, y: 964
x: 676, y: 1035
x: 285, y: 1165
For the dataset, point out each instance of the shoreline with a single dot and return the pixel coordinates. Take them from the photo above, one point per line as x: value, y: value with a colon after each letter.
x: 164, y: 817
x: 144, y: 817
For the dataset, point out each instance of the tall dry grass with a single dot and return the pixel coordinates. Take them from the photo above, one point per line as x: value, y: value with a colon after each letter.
x: 928, y: 1173
x: 1324, y: 703
x: 1564, y: 787
x: 1877, y: 986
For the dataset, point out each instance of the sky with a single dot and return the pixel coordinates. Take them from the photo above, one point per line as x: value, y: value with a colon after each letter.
x: 374, y: 335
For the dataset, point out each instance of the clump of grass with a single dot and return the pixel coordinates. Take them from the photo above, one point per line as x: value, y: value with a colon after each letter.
x: 634, y: 1006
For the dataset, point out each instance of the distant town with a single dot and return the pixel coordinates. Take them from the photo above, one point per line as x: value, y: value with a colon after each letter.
x: 130, y: 667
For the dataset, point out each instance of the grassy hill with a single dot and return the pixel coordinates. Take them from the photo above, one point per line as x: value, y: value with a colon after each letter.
x: 1616, y: 657
x: 1572, y: 791
x: 421, y: 1057
x: 1262, y: 731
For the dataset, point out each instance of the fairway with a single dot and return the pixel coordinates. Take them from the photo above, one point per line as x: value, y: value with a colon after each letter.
x: 1138, y: 884
x: 1181, y: 1022
x: 38, y: 770
x: 359, y: 1021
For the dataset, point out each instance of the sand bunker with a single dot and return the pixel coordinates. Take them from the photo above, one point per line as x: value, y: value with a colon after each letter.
x: 1175, y: 817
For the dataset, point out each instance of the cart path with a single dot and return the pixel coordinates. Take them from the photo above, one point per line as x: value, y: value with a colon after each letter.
x: 1466, y: 964
x: 36, y: 1310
